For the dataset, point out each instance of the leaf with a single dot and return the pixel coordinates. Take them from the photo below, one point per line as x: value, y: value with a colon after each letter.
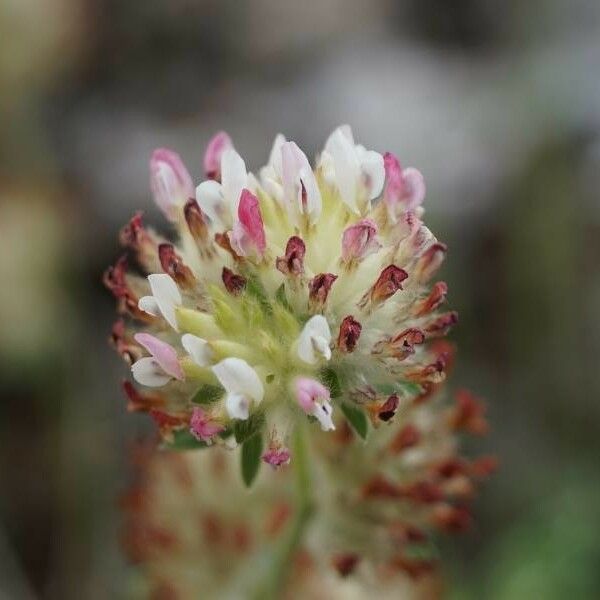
x: 245, y: 429
x: 183, y: 440
x: 207, y: 394
x: 330, y: 379
x: 357, y: 418
x: 251, y: 453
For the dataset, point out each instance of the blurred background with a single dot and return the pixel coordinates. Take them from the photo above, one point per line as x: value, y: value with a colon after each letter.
x: 496, y: 102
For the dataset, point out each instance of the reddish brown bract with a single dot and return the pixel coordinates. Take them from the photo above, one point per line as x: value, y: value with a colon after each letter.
x: 293, y: 261
x: 319, y: 288
x: 233, y: 282
x: 174, y: 266
x: 349, y: 333
x: 387, y: 284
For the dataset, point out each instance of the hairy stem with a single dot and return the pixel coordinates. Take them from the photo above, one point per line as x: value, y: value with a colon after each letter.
x: 282, y: 560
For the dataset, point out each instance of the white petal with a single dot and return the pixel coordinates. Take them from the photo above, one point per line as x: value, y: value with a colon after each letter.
x: 297, y: 172
x: 198, y: 349
x: 372, y: 167
x: 233, y: 178
x: 275, y: 155
x: 346, y: 165
x: 346, y: 130
x: 327, y: 167
x: 313, y: 195
x: 252, y: 183
x: 148, y: 372
x: 321, y: 345
x: 238, y: 377
x: 167, y: 296
x: 318, y: 326
x: 271, y: 184
x: 237, y: 406
x: 314, y: 340
x: 291, y: 163
x: 149, y: 305
x: 322, y: 412
x: 210, y: 199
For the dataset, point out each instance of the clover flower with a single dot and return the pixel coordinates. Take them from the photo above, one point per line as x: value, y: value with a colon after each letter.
x: 298, y: 294
x: 383, y: 503
x: 188, y: 536
x: 187, y: 532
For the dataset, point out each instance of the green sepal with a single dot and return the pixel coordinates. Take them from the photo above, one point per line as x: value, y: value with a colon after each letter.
x: 356, y: 417
x: 250, y: 457
x: 207, y: 394
x: 331, y: 380
x: 282, y: 298
x: 255, y: 288
x: 243, y: 430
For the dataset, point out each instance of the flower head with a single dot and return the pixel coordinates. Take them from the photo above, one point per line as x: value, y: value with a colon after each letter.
x: 300, y: 292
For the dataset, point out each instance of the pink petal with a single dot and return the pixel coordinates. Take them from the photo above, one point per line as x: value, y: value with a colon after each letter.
x: 414, y: 186
x: 164, y: 354
x: 170, y: 181
x: 308, y: 391
x: 404, y: 188
x: 276, y: 456
x: 203, y: 427
x: 360, y: 240
x: 218, y: 144
x: 251, y: 221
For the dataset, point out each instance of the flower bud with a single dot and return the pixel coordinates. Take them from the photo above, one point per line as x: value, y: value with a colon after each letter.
x: 170, y: 181
x: 218, y: 144
x: 404, y: 190
x: 359, y: 240
x: 248, y: 235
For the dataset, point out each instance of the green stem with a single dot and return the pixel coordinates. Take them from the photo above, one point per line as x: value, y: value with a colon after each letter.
x: 282, y: 560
